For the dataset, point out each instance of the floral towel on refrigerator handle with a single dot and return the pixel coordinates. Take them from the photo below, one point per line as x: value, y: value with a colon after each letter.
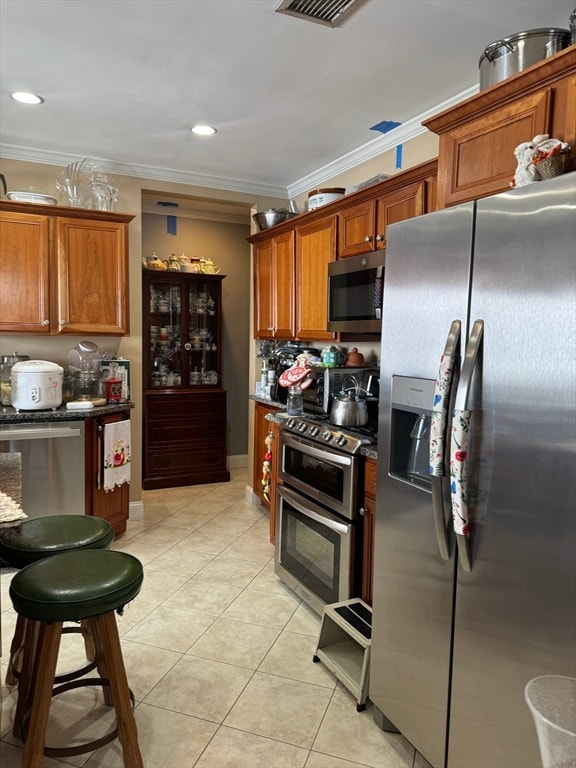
x: 440, y: 415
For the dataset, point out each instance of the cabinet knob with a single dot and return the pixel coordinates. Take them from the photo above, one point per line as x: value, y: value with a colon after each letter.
x: 368, y: 239
x: 379, y: 238
x: 361, y: 511
x: 62, y: 323
x: 45, y: 322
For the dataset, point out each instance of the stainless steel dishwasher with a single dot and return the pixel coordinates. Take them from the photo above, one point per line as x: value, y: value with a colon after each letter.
x: 52, y: 465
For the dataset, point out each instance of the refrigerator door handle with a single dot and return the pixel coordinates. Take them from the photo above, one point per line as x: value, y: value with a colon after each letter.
x: 438, y: 431
x: 459, y: 447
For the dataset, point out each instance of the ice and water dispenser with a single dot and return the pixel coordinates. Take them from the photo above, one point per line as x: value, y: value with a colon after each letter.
x: 412, y: 400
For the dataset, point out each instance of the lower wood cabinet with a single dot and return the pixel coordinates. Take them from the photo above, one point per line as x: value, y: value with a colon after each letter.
x: 184, y: 439
x: 113, y: 505
x: 369, y: 508
x: 263, y: 428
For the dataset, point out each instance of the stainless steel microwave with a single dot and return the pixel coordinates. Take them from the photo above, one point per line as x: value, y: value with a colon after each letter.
x: 355, y: 287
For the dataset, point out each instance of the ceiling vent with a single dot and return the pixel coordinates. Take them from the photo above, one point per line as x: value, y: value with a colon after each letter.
x: 328, y: 12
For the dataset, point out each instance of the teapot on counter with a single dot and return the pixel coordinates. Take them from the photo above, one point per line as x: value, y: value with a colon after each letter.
x: 208, y: 267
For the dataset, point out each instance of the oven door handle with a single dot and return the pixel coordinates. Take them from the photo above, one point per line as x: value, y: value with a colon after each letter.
x: 325, y: 518
x: 324, y: 454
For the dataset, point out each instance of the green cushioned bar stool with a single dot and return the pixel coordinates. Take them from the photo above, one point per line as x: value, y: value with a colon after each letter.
x: 42, y: 537
x: 88, y: 586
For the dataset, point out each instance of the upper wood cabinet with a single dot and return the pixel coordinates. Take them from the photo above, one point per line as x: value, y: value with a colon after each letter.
x: 362, y: 227
x: 479, y: 135
x: 315, y: 249
x: 64, y: 271
x: 274, y: 314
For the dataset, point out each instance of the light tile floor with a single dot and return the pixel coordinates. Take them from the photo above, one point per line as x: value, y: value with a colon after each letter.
x: 218, y: 653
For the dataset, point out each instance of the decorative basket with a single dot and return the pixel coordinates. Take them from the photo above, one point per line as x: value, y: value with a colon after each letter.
x: 552, y: 166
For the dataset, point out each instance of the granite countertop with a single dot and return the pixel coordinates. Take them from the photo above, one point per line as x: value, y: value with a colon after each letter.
x: 9, y: 415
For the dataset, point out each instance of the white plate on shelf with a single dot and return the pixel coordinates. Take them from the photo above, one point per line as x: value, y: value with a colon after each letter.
x: 31, y: 197
x: 211, y: 377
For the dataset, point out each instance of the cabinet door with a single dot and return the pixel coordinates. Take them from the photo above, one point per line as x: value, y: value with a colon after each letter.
x: 368, y: 529
x: 274, y: 288
x: 275, y: 433
x: 356, y: 226
x: 478, y: 157
x: 261, y: 429
x: 109, y: 505
x: 263, y: 290
x: 315, y: 249
x: 91, y: 285
x: 283, y: 289
x: 24, y: 273
x: 398, y: 206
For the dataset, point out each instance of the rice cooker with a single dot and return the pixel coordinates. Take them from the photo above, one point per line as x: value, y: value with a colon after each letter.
x: 36, y: 385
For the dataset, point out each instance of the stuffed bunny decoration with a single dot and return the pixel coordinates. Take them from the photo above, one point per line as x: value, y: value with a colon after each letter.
x: 526, y: 172
x: 530, y: 154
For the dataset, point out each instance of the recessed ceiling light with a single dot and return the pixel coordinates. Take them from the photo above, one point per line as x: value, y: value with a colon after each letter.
x: 27, y: 98
x: 203, y: 130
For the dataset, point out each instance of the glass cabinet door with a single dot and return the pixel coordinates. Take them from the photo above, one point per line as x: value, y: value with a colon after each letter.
x: 182, y: 331
x: 203, y: 334
x: 165, y: 328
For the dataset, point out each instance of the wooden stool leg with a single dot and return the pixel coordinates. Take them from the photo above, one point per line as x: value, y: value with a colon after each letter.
x: 42, y: 683
x: 26, y: 678
x: 16, y: 649
x: 88, y: 641
x: 99, y: 658
x: 107, y: 632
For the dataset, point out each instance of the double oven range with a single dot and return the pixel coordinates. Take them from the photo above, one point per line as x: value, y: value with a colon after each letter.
x: 319, y: 521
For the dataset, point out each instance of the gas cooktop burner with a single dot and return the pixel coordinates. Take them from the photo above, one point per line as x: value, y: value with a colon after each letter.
x: 318, y: 429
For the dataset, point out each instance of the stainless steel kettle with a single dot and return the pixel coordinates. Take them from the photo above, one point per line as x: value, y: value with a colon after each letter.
x: 349, y: 409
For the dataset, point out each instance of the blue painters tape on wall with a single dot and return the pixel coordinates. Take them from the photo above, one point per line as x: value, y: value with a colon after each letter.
x: 399, y: 156
x: 171, y: 225
x: 385, y: 126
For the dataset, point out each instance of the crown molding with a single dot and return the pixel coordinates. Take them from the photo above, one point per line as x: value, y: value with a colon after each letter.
x: 368, y: 151
x: 376, y: 147
x: 200, y: 214
x: 47, y: 157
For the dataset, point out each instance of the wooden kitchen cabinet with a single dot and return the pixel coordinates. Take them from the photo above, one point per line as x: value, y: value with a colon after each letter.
x: 479, y: 135
x: 369, y: 519
x: 274, y: 275
x: 290, y: 297
x: 185, y: 426
x: 112, y: 506
x: 184, y: 439
x: 315, y: 249
x: 362, y: 227
x: 64, y: 271
x: 262, y: 428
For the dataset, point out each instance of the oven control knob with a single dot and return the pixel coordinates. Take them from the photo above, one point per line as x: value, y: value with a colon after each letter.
x: 313, y: 431
x: 302, y: 427
x: 290, y: 423
x: 327, y: 435
x: 341, y: 440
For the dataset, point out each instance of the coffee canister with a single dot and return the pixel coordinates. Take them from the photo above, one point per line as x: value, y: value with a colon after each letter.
x: 320, y: 197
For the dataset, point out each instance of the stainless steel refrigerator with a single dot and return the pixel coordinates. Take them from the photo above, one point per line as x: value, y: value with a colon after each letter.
x: 478, y: 360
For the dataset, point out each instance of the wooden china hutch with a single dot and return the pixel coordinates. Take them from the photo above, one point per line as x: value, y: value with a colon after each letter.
x: 185, y: 426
